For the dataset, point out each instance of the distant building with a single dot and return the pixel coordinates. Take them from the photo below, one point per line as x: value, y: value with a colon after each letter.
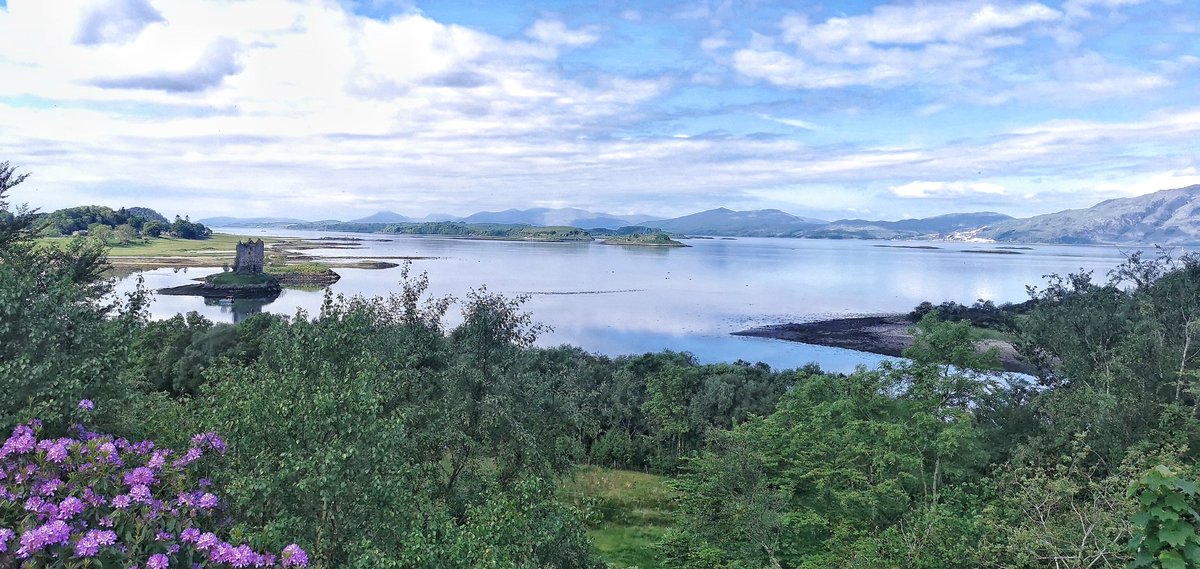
x: 251, y: 257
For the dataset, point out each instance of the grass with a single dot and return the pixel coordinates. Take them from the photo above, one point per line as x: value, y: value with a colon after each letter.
x: 310, y: 268
x: 626, y: 513
x: 979, y: 334
x: 240, y: 279
x: 218, y: 246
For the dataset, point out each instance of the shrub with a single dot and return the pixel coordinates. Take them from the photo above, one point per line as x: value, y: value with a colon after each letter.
x: 96, y: 500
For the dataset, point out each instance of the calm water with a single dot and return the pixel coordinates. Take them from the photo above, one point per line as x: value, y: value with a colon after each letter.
x: 619, y: 300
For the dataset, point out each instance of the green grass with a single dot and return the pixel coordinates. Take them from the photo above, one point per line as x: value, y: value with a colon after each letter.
x: 980, y: 334
x: 219, y: 245
x: 240, y: 279
x: 310, y: 268
x: 625, y: 547
x: 626, y: 513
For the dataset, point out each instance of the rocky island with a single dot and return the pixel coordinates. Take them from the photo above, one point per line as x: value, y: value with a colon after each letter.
x: 644, y: 240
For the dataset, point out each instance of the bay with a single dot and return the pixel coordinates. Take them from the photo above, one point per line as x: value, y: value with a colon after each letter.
x: 625, y: 299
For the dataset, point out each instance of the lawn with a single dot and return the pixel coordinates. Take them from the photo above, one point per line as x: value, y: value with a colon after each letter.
x: 219, y: 246
x: 626, y: 513
x: 297, y: 269
x: 240, y: 279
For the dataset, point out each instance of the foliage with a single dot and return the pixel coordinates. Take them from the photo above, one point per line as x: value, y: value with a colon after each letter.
x: 185, y: 228
x: 62, y: 338
x: 1166, y: 523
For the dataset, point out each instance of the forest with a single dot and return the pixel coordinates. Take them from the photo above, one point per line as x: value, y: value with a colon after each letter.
x: 371, y: 434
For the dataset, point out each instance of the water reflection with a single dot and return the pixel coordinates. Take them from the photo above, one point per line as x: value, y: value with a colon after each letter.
x: 239, y: 309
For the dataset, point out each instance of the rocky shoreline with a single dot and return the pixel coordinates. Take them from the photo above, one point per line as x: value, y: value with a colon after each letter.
x: 886, y: 335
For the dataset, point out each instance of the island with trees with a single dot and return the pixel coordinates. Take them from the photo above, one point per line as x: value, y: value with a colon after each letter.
x: 656, y: 239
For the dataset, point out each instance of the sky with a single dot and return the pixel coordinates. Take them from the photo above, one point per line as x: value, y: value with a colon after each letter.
x: 325, y: 109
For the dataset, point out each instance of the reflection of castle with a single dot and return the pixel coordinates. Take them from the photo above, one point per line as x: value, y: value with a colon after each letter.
x: 250, y: 257
x: 241, y: 308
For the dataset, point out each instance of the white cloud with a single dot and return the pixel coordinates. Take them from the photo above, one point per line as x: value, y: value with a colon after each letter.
x: 1086, y: 8
x: 554, y: 32
x: 307, y: 107
x: 115, y: 21
x: 890, y: 46
x: 798, y: 123
x: 921, y: 189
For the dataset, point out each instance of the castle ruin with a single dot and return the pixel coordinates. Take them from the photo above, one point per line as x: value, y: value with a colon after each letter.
x: 251, y: 257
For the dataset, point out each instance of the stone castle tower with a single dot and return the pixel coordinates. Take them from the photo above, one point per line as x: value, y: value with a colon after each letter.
x: 250, y: 257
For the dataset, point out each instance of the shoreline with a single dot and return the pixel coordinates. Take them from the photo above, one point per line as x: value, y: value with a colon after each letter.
x: 886, y: 335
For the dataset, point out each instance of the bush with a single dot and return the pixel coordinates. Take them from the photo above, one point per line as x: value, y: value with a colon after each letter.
x: 103, y: 501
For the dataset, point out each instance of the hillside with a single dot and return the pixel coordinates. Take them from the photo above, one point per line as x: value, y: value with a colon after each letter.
x: 925, y: 228
x: 1167, y: 217
x: 383, y: 217
x: 722, y: 221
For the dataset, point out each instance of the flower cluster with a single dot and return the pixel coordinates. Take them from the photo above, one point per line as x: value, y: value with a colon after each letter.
x: 123, y: 504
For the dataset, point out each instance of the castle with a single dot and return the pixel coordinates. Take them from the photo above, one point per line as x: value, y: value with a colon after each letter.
x: 250, y: 257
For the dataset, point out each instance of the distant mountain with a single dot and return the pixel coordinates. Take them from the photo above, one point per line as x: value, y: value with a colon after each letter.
x: 1167, y: 217
x: 726, y: 222
x: 383, y: 217
x: 567, y: 216
x: 249, y: 221
x: 925, y: 228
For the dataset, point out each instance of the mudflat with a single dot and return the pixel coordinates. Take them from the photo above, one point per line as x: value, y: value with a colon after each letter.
x: 887, y: 335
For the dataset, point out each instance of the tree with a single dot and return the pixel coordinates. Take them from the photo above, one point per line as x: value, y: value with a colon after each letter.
x: 153, y: 228
x: 62, y: 338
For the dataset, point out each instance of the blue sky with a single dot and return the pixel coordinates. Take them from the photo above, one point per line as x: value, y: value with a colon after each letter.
x: 326, y: 108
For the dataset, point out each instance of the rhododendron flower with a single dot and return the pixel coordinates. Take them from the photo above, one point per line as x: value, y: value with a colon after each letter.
x: 71, y: 509
x: 38, y: 538
x: 6, y: 536
x: 86, y: 404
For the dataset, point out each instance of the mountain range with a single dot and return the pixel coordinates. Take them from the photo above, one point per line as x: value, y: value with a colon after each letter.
x: 1167, y: 217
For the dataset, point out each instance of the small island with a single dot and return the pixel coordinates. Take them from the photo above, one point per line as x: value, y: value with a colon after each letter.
x: 252, y: 278
x: 645, y: 240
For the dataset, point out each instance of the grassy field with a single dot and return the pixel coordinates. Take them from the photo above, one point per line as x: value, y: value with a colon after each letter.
x: 310, y: 268
x: 219, y: 246
x: 626, y: 513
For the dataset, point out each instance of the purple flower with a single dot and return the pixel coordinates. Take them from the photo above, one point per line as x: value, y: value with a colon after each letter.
x: 193, y: 454
x: 69, y: 508
x: 207, y: 541
x: 158, y: 459
x: 157, y: 561
x: 6, y: 536
x: 49, y: 487
x: 57, y: 453
x: 38, y: 538
x: 293, y: 556
x: 140, y: 475
x: 211, y: 440
x: 89, y: 544
x: 121, y: 502
x: 140, y: 493
x: 208, y: 501
x: 22, y: 441
x: 86, y: 404
x: 189, y: 535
